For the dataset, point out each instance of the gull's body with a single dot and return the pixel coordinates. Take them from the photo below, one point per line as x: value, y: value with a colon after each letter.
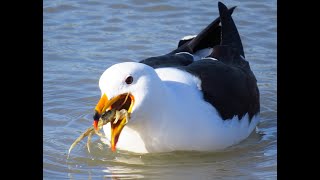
x: 186, y: 122
x: 202, y: 96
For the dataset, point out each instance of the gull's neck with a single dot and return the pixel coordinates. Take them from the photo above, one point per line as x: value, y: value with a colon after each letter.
x: 151, y: 121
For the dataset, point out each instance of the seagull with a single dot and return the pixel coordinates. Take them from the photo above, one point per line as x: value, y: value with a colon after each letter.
x: 202, y: 96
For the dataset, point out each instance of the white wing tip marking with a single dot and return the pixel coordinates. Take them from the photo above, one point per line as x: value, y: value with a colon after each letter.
x: 188, y: 37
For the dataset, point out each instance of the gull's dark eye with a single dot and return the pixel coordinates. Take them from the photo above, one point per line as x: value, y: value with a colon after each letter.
x: 129, y: 79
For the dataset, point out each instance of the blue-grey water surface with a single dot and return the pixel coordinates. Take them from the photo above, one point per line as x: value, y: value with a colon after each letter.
x: 83, y: 38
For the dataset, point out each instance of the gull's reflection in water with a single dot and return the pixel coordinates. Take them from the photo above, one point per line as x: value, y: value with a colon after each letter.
x: 129, y: 170
x: 122, y: 172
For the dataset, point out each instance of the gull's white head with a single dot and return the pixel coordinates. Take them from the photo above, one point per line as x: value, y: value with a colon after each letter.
x: 131, y: 86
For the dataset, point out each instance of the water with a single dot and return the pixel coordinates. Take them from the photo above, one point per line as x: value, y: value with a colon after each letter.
x: 83, y: 38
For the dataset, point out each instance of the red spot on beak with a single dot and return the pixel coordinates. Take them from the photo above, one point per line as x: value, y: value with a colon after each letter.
x: 113, y: 147
x: 95, y: 124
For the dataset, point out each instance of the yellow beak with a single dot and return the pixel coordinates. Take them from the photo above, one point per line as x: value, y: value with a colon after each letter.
x: 122, y: 101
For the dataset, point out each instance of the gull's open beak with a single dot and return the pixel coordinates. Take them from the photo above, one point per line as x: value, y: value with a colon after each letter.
x: 122, y: 101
